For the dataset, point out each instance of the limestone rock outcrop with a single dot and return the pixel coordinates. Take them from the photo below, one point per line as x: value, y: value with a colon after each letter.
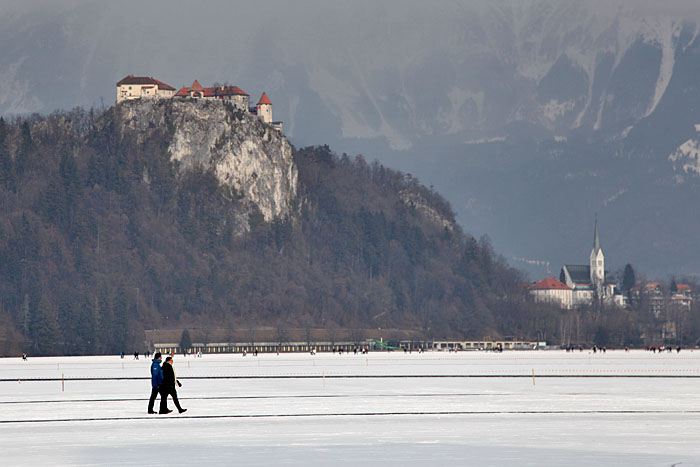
x: 246, y: 154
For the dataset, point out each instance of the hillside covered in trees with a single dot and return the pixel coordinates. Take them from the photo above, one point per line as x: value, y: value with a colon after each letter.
x: 104, y: 236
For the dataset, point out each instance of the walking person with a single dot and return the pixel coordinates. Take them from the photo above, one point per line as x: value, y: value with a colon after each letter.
x: 169, y: 387
x: 156, y: 380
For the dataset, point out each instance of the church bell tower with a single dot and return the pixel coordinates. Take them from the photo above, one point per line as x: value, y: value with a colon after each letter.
x: 597, y: 261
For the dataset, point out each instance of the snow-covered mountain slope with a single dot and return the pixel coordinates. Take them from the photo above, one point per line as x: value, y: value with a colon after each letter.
x: 394, y: 69
x: 686, y: 158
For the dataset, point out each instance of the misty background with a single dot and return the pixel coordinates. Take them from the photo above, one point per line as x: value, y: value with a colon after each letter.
x: 528, y: 116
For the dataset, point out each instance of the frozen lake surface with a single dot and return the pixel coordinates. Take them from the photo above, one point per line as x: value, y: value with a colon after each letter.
x: 434, y: 409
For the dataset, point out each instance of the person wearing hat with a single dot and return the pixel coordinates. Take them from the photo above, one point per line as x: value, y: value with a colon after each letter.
x: 168, y: 387
x: 156, y: 381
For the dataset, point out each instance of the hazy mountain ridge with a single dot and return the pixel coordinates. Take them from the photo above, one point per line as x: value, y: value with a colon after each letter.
x: 588, y: 97
x: 449, y: 84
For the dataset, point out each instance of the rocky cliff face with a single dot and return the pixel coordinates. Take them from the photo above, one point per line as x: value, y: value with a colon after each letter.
x: 245, y: 154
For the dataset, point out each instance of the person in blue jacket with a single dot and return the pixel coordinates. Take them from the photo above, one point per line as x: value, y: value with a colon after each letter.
x: 156, y: 380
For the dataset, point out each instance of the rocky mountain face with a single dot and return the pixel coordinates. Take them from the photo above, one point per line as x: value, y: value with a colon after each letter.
x: 253, y: 159
x: 530, y: 116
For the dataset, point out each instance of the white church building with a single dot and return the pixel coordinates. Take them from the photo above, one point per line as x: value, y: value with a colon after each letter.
x: 589, y: 281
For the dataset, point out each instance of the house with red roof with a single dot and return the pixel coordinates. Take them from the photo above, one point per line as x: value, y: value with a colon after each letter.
x: 143, y: 87
x: 682, y: 298
x: 551, y: 290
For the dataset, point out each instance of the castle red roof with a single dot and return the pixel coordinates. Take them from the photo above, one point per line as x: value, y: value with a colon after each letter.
x: 264, y: 99
x: 162, y: 85
x: 683, y: 287
x: 224, y: 91
x: 238, y: 91
x: 141, y: 80
x: 216, y: 91
x: 549, y: 283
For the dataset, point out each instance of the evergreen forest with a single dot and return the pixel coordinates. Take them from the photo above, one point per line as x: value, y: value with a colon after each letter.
x: 102, y: 237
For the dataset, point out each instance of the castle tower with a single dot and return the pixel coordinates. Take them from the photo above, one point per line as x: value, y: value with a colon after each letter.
x: 264, y: 108
x: 196, y: 91
x: 597, y: 261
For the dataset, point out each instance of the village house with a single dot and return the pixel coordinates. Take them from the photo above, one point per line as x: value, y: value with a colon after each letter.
x: 663, y: 301
x: 669, y: 305
x: 143, y: 87
x: 550, y: 290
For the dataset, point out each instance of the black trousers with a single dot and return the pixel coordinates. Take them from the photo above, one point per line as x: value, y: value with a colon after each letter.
x: 164, y: 393
x: 154, y: 392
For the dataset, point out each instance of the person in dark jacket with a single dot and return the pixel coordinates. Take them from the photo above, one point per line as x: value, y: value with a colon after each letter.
x: 168, y: 387
x: 156, y: 380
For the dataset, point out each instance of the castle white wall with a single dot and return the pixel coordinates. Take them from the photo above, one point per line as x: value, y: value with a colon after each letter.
x: 141, y: 91
x: 240, y: 102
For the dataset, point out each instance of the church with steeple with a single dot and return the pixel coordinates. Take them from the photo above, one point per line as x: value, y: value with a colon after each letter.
x: 588, y: 282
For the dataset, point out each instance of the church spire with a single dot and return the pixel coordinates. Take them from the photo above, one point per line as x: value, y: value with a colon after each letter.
x: 597, y: 260
x: 596, y: 240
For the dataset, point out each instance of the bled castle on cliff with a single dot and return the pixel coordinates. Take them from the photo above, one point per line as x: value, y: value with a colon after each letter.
x: 147, y: 87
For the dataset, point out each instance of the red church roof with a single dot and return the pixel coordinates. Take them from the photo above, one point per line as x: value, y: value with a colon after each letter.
x: 196, y: 86
x: 549, y: 283
x: 264, y: 99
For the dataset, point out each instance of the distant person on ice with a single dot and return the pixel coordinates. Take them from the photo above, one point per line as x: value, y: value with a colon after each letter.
x: 156, y: 380
x: 169, y: 382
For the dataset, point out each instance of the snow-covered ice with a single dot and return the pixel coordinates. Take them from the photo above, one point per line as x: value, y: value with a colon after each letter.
x: 439, y: 409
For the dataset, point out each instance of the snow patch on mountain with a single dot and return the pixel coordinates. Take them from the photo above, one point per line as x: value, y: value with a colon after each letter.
x: 458, y: 99
x: 554, y: 109
x: 666, y: 36
x: 614, y: 196
x: 495, y: 139
x: 349, y: 104
x: 686, y: 159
